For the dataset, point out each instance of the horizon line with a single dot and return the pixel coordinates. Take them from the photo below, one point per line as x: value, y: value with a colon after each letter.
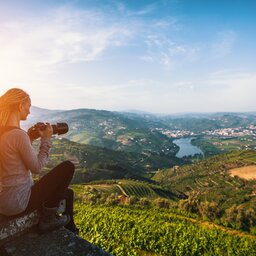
x: 136, y: 111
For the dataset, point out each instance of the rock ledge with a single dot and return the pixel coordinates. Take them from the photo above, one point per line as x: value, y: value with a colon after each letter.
x: 60, y: 242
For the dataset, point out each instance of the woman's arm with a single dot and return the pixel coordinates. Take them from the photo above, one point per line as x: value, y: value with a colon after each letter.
x: 33, y: 161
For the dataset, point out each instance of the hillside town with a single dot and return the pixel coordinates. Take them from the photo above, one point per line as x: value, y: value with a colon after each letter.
x: 224, y: 132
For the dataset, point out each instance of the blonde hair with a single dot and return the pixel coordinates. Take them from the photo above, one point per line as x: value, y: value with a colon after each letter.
x: 9, y: 102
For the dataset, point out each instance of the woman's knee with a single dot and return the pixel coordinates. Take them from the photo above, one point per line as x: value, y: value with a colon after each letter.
x: 67, y: 166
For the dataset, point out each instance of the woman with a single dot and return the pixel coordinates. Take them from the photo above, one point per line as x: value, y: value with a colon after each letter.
x: 18, y: 160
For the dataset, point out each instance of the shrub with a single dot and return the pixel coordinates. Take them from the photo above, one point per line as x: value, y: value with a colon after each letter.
x: 242, y: 218
x: 132, y: 200
x: 162, y: 203
x: 144, y: 201
x: 112, y: 199
x: 190, y: 205
x: 210, y: 210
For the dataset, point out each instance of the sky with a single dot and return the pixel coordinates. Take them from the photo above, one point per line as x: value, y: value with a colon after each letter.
x: 165, y: 56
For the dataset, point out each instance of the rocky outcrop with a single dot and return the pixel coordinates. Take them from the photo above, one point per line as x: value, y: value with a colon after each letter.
x: 15, y: 226
x: 60, y: 242
x: 19, y: 237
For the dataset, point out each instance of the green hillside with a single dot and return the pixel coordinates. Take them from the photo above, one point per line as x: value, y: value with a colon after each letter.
x: 202, y: 122
x: 127, y: 188
x: 140, y: 133
x: 113, y: 130
x: 126, y: 230
x: 205, y: 188
x: 213, y: 145
x: 209, y: 190
x: 211, y: 179
x: 137, y: 198
x: 95, y: 163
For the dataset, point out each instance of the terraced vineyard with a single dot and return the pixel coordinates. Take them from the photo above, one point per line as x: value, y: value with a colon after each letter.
x: 211, y: 178
x: 135, y: 189
x: 129, y: 188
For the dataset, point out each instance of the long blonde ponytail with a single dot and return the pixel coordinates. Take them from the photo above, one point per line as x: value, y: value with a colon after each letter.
x: 9, y: 102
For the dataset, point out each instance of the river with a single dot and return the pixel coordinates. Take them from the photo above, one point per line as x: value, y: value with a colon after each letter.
x: 186, y: 148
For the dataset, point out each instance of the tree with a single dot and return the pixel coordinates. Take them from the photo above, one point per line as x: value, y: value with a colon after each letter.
x: 210, y: 210
x: 191, y: 204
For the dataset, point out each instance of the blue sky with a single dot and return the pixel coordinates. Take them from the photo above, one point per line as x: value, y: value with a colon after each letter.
x: 166, y: 56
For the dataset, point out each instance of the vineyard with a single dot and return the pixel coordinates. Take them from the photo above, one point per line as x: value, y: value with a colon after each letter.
x: 149, y: 231
x: 211, y: 179
x: 129, y: 188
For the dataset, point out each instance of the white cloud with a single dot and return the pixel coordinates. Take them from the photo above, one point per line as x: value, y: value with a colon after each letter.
x: 34, y: 52
x: 65, y: 35
x: 70, y: 35
x: 224, y: 44
x: 33, y: 46
x: 166, y: 51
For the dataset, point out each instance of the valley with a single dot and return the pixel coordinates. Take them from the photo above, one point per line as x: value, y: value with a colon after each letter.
x: 128, y: 164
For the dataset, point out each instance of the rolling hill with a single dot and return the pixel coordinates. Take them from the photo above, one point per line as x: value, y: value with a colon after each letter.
x: 107, y: 129
x: 211, y: 179
x: 96, y: 163
x: 135, y: 132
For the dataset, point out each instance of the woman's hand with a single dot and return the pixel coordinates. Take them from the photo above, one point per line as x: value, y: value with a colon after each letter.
x: 47, y: 132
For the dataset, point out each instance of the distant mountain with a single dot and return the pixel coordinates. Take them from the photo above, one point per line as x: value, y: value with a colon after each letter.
x: 107, y: 129
x: 198, y: 123
x: 38, y: 115
x: 135, y: 111
x: 135, y: 132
